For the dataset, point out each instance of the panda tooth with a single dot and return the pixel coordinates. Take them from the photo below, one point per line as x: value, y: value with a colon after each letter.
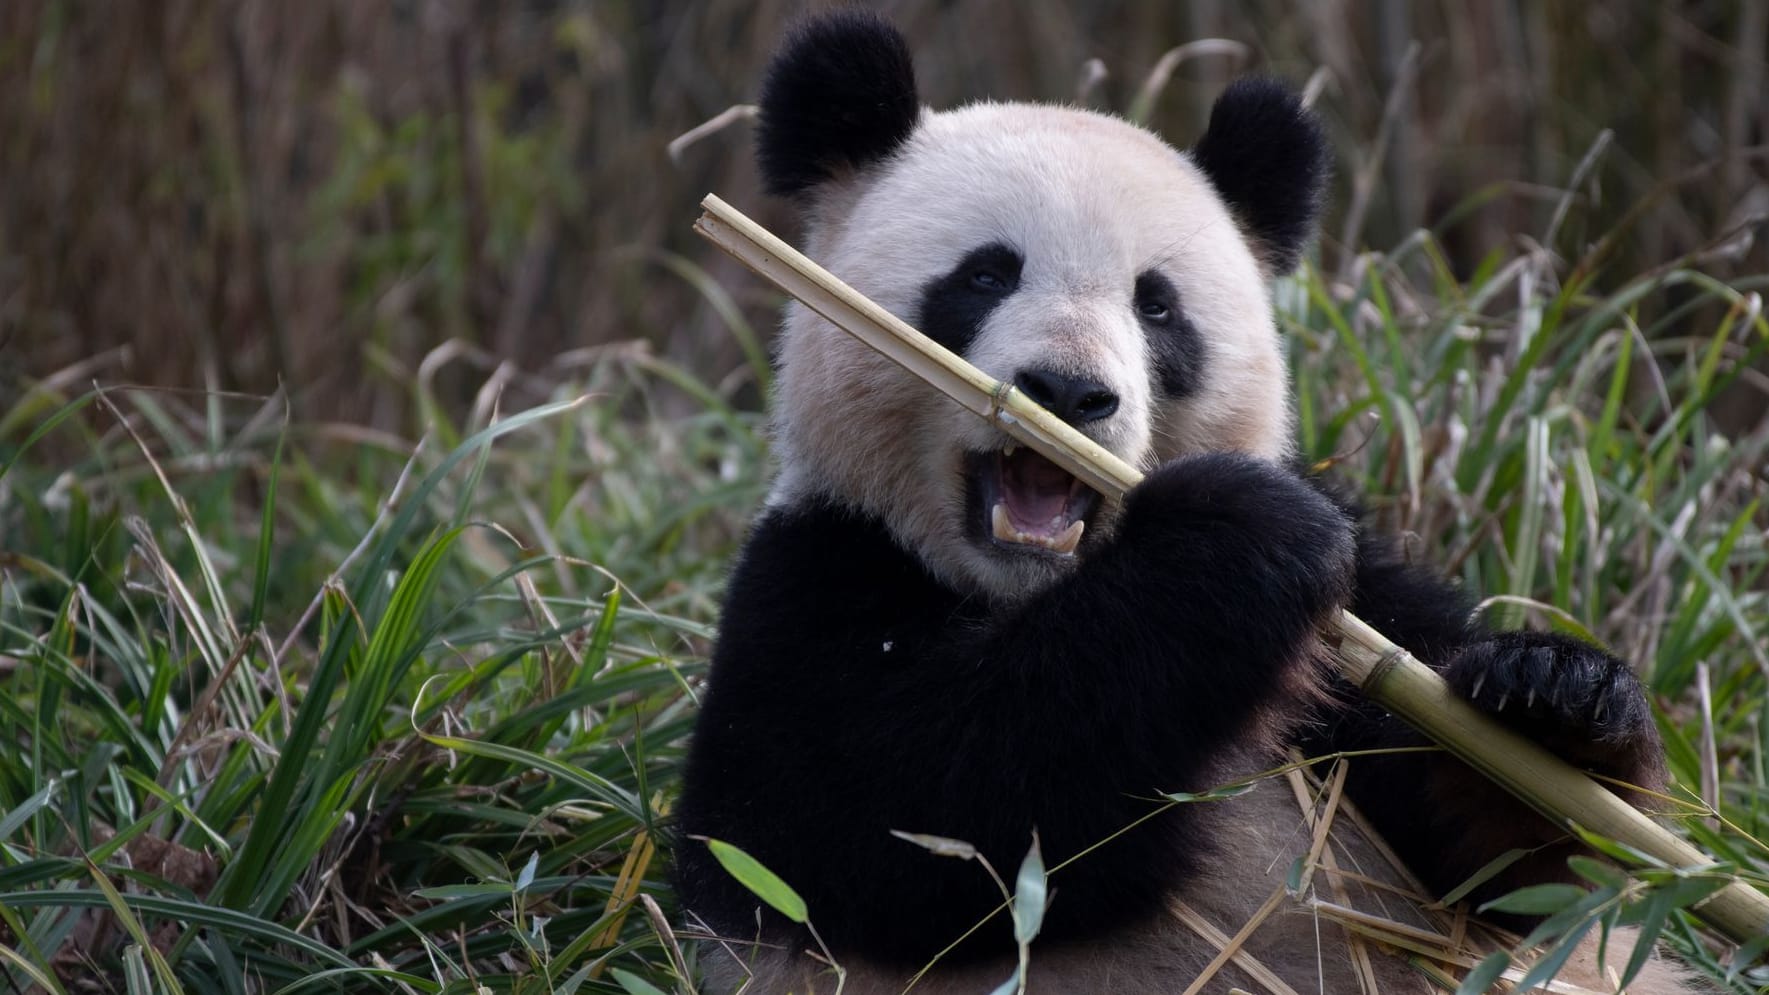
x: 1012, y: 447
x: 999, y: 524
x: 1063, y: 542
x: 1069, y: 538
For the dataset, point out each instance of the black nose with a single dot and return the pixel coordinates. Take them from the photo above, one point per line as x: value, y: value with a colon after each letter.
x: 1073, y: 399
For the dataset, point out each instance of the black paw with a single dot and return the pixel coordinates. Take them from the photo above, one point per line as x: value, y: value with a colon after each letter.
x: 1571, y: 697
x: 1246, y: 521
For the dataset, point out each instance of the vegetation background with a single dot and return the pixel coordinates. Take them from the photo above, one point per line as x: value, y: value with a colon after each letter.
x: 308, y: 685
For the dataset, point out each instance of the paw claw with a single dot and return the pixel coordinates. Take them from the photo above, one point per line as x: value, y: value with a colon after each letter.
x: 1573, y: 698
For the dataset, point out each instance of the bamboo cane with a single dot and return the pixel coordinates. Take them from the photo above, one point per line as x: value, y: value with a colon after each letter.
x: 1387, y: 673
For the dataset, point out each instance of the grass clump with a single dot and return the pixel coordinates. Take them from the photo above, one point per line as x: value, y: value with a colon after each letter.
x: 1547, y: 430
x: 289, y: 715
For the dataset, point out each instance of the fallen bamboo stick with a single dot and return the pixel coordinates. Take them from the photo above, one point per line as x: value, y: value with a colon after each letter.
x: 1387, y: 673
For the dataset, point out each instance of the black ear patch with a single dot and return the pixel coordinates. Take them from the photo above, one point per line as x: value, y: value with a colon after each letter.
x: 839, y: 94
x: 1267, y: 157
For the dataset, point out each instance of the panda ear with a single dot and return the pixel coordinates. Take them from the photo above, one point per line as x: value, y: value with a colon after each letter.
x: 839, y: 95
x: 1266, y: 156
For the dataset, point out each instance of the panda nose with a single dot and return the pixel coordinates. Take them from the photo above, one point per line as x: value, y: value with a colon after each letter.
x: 1073, y: 399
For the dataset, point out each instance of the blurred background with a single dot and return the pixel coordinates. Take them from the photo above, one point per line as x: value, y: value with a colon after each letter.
x: 237, y: 194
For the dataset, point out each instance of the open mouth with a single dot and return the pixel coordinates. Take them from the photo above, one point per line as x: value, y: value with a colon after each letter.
x: 1028, y: 503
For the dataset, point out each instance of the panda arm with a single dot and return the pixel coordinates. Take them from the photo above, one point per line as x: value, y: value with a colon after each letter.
x: 852, y: 695
x: 1573, y: 698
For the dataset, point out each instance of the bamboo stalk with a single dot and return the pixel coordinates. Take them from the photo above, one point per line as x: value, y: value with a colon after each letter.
x: 1386, y: 673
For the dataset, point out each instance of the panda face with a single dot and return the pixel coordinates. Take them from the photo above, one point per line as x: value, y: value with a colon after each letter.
x: 1069, y: 253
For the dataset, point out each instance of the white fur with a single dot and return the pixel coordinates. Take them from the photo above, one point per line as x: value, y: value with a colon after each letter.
x: 1091, y: 201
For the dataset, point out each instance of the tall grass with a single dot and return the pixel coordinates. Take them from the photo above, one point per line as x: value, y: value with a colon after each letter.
x: 392, y: 726
x: 1524, y: 428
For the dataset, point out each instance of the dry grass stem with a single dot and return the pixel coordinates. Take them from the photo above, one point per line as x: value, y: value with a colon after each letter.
x: 1192, y: 920
x: 1231, y: 950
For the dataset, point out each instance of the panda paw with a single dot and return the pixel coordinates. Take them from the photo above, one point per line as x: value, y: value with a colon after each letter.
x: 1238, y: 516
x: 1571, y: 697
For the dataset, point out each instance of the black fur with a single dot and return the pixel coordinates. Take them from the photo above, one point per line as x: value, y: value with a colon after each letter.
x: 954, y: 307
x: 1177, y: 348
x: 852, y: 694
x: 1267, y: 157
x: 839, y: 95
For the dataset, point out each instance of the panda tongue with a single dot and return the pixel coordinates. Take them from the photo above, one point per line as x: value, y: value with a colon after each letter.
x: 1036, y: 492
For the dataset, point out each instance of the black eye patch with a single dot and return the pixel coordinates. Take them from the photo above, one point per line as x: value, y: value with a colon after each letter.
x: 1173, y: 342
x: 954, y: 306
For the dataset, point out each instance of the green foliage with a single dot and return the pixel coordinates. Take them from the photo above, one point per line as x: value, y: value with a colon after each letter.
x: 376, y: 727
x: 1568, y: 463
x: 1568, y: 913
x: 1541, y: 449
x: 761, y: 882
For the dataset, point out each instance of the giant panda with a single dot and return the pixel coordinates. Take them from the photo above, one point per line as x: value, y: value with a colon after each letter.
x: 933, y: 631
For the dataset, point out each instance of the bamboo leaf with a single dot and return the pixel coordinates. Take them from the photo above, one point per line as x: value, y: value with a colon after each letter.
x: 1028, y: 895
x: 944, y: 846
x: 1212, y: 795
x: 1652, y: 922
x: 1537, y: 900
x: 763, y: 883
x: 1549, y: 966
x: 1487, y: 872
x: 1485, y: 975
x: 1597, y: 872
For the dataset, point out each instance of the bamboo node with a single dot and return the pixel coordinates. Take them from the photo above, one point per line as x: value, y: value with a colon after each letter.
x: 1391, y: 658
x: 998, y: 402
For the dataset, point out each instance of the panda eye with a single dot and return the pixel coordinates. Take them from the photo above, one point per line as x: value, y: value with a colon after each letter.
x: 988, y: 281
x: 1155, y: 300
x: 991, y: 271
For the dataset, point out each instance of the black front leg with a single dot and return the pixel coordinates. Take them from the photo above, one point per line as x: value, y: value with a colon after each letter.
x: 1222, y: 572
x: 1576, y: 700
x: 1444, y: 818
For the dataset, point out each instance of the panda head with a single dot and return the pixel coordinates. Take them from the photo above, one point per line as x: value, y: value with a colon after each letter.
x: 1122, y: 283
